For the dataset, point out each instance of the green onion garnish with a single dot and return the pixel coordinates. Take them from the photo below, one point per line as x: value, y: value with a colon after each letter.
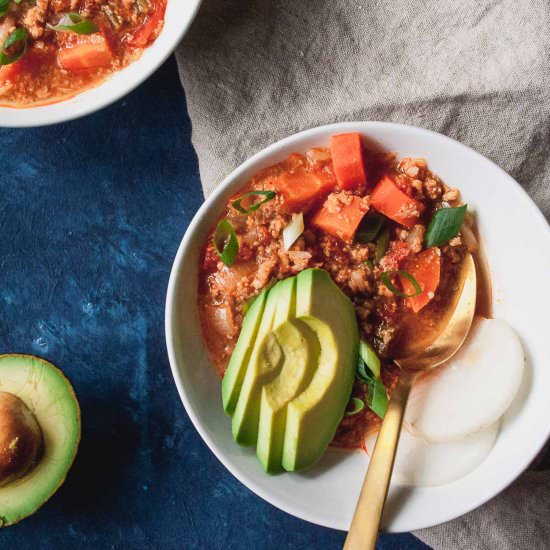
x: 225, y: 242
x: 4, y: 7
x: 367, y: 353
x: 369, y: 264
x: 19, y: 36
x: 368, y: 228
x: 74, y: 22
x: 381, y: 244
x: 377, y: 397
x: 385, y: 278
x: 269, y: 196
x: 358, y: 406
x: 445, y: 225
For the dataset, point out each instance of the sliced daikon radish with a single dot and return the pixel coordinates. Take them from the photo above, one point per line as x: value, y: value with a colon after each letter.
x: 473, y: 389
x: 421, y: 463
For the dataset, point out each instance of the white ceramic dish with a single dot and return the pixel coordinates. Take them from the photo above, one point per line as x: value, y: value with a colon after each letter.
x: 179, y: 15
x: 517, y: 243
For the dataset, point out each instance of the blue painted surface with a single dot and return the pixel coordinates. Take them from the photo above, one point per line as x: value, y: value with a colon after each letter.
x: 91, y: 215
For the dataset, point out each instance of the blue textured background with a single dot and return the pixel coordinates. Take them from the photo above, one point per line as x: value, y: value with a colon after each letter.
x: 91, y: 215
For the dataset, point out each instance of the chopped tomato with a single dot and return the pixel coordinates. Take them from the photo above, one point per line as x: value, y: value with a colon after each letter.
x: 425, y: 267
x: 89, y: 52
x: 151, y: 28
x: 391, y: 201
x: 302, y: 190
x: 347, y: 160
x: 340, y: 223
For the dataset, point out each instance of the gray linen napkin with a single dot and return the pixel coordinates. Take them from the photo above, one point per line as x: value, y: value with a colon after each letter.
x: 477, y: 70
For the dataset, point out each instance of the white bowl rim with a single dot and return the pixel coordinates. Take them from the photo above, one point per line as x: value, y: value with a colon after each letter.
x: 169, y: 310
x: 53, y: 113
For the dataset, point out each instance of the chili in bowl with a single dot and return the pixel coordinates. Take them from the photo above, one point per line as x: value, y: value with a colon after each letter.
x: 60, y: 59
x: 247, y: 256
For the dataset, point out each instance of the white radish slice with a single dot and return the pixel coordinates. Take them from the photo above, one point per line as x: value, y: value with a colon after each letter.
x: 420, y: 463
x: 473, y: 389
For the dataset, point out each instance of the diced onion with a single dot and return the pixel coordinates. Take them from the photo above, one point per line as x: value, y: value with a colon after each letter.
x: 293, y: 230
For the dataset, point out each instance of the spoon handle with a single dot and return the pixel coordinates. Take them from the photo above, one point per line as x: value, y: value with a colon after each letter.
x: 368, y: 512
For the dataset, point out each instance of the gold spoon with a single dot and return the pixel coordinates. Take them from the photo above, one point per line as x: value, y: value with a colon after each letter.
x: 370, y: 506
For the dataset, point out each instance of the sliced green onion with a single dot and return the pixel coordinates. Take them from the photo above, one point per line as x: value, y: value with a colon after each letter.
x: 293, y: 230
x: 445, y: 225
x: 385, y: 278
x: 74, y: 22
x: 4, y: 7
x: 358, y: 406
x: 225, y: 242
x: 269, y: 196
x: 377, y: 398
x: 367, y: 353
x: 381, y: 245
x: 369, y: 228
x: 18, y: 36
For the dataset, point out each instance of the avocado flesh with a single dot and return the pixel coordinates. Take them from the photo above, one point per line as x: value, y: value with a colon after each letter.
x: 313, y: 416
x: 50, y: 397
x: 264, y: 363
x: 234, y: 375
x: 299, y: 348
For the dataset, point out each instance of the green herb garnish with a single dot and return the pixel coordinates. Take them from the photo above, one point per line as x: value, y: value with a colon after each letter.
x: 74, y: 22
x: 445, y: 225
x: 18, y: 37
x: 369, y: 228
x: 381, y: 245
x: 368, y: 355
x: 358, y: 406
x: 376, y: 395
x: 385, y: 278
x: 4, y: 7
x: 269, y: 196
x: 225, y: 242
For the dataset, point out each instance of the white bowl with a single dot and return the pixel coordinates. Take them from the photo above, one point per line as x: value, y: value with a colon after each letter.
x: 517, y: 243
x: 179, y: 15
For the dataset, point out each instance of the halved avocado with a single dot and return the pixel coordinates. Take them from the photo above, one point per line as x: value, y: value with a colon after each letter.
x: 42, y: 416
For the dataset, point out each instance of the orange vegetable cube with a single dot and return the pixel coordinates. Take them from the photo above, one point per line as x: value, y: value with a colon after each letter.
x: 347, y: 160
x: 302, y: 190
x: 391, y: 201
x: 340, y: 220
x: 425, y: 267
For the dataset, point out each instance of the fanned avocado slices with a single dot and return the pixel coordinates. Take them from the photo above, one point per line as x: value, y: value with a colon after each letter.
x: 39, y: 434
x: 290, y: 379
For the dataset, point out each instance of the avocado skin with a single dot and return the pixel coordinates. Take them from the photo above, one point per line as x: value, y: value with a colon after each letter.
x: 291, y: 401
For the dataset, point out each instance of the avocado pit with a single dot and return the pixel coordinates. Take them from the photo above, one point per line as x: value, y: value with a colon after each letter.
x: 20, y: 438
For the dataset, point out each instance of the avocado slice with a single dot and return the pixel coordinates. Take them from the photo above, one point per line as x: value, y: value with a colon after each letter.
x: 299, y: 348
x: 233, y: 378
x: 265, y: 361
x: 313, y: 416
x: 44, y: 392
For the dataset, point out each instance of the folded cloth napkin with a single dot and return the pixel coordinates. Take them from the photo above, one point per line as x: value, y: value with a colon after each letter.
x: 477, y: 70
